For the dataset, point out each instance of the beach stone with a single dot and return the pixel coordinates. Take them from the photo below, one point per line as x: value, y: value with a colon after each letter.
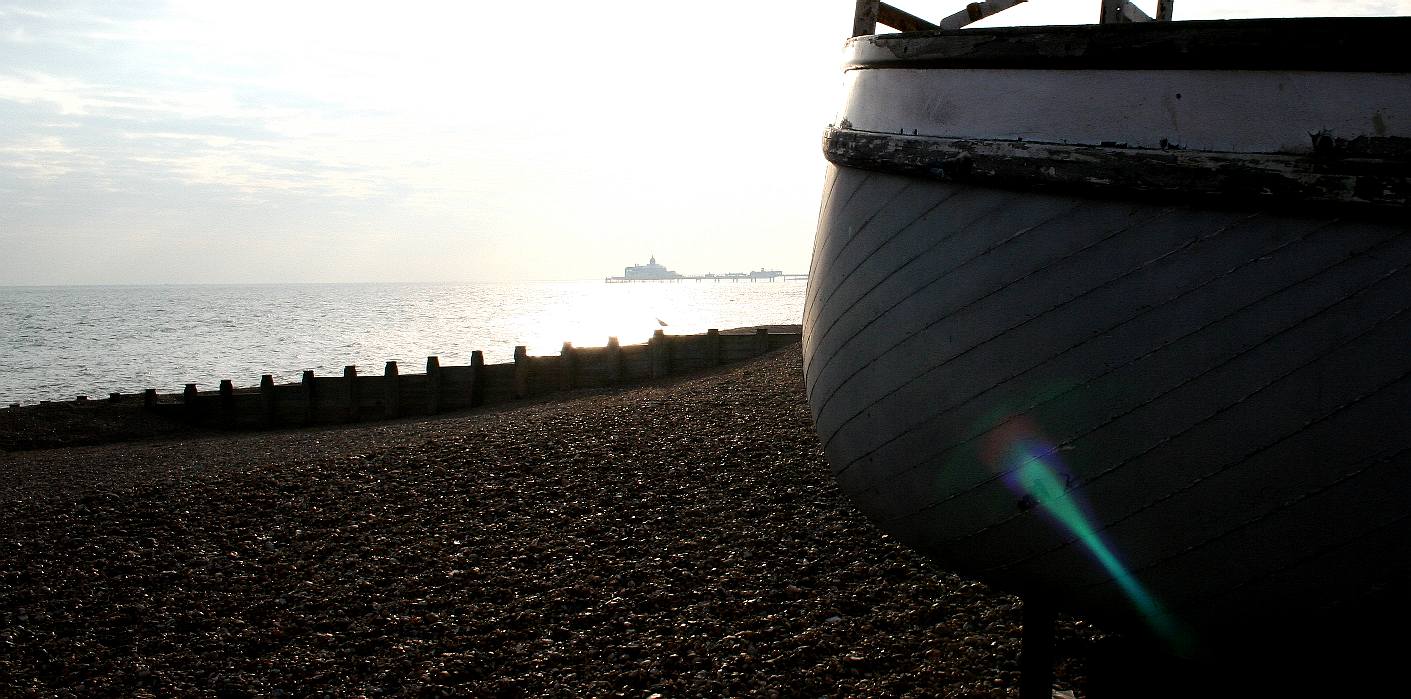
x: 678, y: 539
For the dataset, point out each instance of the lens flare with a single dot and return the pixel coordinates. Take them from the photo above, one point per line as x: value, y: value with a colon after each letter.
x: 1031, y: 468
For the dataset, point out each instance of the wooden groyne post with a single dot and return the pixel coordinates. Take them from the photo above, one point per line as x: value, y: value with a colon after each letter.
x: 659, y: 352
x: 477, y: 379
x: 391, y: 391
x: 306, y: 389
x: 521, y: 371
x: 190, y: 402
x: 568, y: 367
x: 614, y: 360
x: 227, y: 398
x: 269, y: 402
x: 433, y: 384
x: 350, y: 392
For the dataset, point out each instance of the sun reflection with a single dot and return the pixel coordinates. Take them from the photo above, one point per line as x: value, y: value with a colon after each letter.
x: 587, y: 313
x: 1032, y: 469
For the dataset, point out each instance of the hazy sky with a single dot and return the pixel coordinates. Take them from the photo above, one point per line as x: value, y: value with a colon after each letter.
x: 183, y: 141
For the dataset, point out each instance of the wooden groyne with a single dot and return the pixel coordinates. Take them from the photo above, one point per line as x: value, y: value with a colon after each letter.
x: 357, y: 396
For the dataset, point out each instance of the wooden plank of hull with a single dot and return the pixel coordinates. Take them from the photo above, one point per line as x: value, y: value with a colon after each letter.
x: 1132, y: 304
x: 1226, y: 391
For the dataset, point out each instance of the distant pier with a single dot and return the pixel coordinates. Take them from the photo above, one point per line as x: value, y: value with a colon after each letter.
x: 730, y: 277
x: 654, y: 271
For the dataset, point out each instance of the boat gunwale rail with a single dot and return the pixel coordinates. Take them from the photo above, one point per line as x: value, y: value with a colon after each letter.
x: 1362, y: 44
x: 1355, y: 183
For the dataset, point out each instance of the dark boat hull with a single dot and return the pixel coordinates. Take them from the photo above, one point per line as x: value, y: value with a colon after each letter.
x: 1186, y: 420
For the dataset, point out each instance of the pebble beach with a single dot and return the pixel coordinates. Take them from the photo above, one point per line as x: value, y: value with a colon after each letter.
x: 681, y: 538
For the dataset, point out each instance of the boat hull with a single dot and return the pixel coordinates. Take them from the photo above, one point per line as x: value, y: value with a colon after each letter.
x: 1186, y: 420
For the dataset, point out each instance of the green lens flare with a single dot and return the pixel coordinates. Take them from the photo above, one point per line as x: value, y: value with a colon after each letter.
x: 1033, y: 470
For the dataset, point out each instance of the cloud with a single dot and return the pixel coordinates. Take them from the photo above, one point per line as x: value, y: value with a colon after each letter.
x: 43, y: 158
x: 350, y: 100
x: 68, y: 96
x: 199, y: 134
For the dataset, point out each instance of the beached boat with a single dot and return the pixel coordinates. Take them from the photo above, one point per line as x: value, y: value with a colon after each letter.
x: 1116, y: 316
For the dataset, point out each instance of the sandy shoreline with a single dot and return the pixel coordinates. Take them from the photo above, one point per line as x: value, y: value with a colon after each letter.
x: 682, y: 538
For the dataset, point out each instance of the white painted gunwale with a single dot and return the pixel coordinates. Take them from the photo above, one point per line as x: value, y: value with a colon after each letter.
x: 1236, y: 86
x: 1246, y: 111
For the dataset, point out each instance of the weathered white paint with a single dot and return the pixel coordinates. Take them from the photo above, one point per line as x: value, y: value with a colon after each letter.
x: 1227, y: 111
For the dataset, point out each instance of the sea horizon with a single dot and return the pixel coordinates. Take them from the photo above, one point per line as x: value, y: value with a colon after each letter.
x: 312, y: 283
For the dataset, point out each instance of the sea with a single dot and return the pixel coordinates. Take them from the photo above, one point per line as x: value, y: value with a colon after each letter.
x: 59, y: 342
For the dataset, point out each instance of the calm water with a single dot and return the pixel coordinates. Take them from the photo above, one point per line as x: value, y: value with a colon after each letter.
x: 58, y: 342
